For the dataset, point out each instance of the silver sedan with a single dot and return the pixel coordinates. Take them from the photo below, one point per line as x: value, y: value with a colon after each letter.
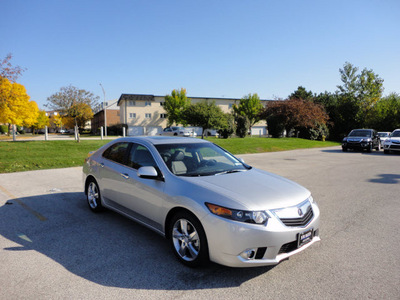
x: 209, y: 204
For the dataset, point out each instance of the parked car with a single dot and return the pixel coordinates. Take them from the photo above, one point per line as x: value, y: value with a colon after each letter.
x: 178, y: 131
x: 383, y: 135
x: 362, y: 139
x: 209, y: 204
x: 393, y: 142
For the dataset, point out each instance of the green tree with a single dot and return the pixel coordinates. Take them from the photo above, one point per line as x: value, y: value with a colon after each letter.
x: 365, y: 89
x: 174, y: 105
x: 249, y: 106
x: 386, y: 113
x: 302, y: 93
x: 206, y: 115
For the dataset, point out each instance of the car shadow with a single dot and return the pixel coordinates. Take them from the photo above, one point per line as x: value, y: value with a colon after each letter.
x: 354, y: 151
x: 387, y: 179
x: 106, y: 248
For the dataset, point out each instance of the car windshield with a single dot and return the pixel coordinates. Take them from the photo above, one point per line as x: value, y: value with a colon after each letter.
x: 383, y: 134
x: 199, y: 159
x: 363, y: 133
x: 396, y: 134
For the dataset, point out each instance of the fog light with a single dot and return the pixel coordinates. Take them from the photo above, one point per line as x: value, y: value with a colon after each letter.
x: 248, y: 254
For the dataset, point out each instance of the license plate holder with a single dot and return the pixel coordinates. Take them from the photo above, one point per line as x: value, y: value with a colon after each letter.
x: 304, y: 237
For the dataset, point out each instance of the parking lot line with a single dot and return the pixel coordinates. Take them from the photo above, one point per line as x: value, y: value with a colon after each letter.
x: 26, y: 207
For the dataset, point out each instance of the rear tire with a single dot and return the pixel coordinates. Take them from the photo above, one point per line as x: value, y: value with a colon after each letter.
x: 93, y: 196
x: 188, y: 239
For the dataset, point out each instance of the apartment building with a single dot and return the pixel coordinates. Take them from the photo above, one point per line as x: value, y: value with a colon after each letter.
x: 112, y: 115
x: 145, y: 115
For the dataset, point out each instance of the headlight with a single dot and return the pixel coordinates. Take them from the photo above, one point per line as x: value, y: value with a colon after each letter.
x: 255, y: 217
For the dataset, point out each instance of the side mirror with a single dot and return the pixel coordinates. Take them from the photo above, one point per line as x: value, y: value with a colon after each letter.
x: 148, y: 173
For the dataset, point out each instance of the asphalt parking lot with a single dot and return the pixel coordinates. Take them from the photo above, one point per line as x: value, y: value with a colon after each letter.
x: 53, y: 247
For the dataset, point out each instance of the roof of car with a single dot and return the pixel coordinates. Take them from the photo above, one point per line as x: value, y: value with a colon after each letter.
x: 159, y: 140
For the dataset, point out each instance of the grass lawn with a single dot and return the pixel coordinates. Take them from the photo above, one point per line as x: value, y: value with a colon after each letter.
x: 260, y: 144
x: 36, y: 155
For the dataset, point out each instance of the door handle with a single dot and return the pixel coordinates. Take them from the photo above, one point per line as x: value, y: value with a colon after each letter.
x: 126, y: 176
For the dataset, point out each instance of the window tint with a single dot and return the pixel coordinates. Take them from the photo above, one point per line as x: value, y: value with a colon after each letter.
x: 117, y: 152
x: 140, y: 156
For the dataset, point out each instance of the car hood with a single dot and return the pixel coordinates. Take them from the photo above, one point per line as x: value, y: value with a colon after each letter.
x: 251, y: 190
x: 357, y: 137
x: 395, y: 140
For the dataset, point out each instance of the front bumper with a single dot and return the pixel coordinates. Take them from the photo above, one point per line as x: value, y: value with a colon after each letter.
x: 356, y: 145
x: 391, y: 147
x: 272, y: 243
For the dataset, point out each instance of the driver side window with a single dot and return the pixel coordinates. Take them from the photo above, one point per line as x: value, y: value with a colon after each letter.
x: 140, y: 156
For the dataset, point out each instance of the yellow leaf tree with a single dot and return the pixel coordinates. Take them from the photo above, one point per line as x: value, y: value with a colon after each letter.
x: 41, y: 121
x: 56, y: 121
x: 80, y: 113
x: 15, y: 107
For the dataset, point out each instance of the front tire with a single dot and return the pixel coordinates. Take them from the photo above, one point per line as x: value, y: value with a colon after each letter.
x: 188, y: 239
x: 93, y: 196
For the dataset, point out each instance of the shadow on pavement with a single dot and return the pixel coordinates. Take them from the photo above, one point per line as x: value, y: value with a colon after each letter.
x: 106, y: 248
x: 387, y: 179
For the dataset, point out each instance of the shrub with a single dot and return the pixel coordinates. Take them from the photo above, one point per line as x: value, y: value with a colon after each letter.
x: 243, y: 126
x: 275, y: 126
x: 116, y: 129
x: 228, y: 128
x: 3, y: 129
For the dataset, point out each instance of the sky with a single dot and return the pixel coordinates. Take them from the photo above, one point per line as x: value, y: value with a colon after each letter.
x: 218, y: 48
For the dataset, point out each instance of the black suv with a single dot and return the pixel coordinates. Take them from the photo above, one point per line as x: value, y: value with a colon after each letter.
x: 362, y: 139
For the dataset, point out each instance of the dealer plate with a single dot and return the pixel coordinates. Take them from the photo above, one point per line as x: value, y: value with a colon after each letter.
x: 304, y: 238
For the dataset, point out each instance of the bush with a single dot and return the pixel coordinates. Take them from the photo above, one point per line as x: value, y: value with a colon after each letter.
x: 229, y: 127
x: 243, y: 126
x: 116, y: 129
x: 3, y: 128
x: 275, y: 127
x: 319, y: 132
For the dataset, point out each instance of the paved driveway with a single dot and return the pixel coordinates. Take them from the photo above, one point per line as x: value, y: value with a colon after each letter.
x: 52, y: 246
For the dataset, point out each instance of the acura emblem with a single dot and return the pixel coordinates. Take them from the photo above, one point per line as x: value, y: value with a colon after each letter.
x: 300, y: 212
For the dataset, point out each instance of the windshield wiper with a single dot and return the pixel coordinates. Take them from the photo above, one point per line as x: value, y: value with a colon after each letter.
x: 229, y: 172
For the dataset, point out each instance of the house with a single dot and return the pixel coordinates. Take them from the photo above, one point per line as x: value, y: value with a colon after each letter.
x: 145, y: 115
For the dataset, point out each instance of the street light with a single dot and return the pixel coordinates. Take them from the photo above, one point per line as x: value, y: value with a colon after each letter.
x: 105, y: 111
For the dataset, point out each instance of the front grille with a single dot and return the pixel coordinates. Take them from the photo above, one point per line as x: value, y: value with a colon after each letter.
x: 394, y: 146
x: 299, y: 222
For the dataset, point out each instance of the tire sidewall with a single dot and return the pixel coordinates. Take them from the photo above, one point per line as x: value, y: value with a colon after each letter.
x: 203, y: 257
x: 99, y: 206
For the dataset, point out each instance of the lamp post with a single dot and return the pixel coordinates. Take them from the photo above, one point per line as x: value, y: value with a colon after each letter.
x: 105, y: 111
